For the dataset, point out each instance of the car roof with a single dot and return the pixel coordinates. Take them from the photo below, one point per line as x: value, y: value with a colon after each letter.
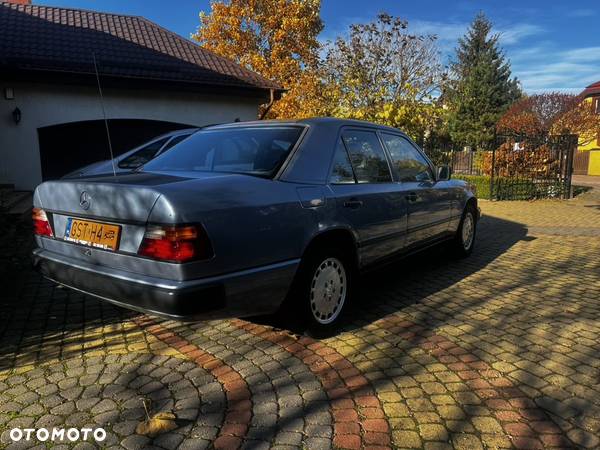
x: 313, y: 121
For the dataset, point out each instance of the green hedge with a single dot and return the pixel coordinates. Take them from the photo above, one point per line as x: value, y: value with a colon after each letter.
x: 481, y: 183
x: 514, y: 188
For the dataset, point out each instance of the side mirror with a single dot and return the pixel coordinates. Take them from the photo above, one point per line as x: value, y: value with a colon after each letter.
x: 444, y: 173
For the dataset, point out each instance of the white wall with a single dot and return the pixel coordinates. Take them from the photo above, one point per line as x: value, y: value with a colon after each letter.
x: 43, y: 105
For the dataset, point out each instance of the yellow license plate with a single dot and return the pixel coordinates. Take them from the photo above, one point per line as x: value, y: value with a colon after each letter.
x: 94, y: 234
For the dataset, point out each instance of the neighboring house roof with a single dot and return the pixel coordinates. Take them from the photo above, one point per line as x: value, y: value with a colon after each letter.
x: 592, y: 89
x: 51, y: 39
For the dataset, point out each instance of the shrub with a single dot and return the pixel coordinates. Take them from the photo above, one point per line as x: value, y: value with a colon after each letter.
x: 521, y: 160
x: 480, y: 182
x: 506, y: 188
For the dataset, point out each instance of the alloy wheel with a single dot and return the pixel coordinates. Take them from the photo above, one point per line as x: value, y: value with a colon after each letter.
x: 328, y: 290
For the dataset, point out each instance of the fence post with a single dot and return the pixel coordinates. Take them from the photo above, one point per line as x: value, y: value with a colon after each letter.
x: 573, y: 140
x: 492, y: 173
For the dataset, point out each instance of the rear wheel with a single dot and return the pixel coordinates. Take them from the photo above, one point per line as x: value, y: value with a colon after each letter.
x: 322, y: 288
x: 328, y: 290
x: 464, y: 241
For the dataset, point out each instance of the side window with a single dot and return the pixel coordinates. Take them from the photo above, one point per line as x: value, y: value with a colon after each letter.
x: 176, y: 140
x: 143, y: 155
x: 341, y: 172
x: 367, y: 157
x: 407, y: 161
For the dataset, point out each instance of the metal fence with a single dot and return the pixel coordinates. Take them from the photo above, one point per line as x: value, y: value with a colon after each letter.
x: 514, y: 167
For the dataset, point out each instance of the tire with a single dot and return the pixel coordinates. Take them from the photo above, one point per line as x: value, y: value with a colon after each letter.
x: 322, y: 289
x: 463, y: 243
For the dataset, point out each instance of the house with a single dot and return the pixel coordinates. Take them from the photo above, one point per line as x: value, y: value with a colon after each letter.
x: 52, y: 61
x: 587, y: 159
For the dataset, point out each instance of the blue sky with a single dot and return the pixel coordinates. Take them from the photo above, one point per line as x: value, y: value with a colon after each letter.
x: 551, y: 45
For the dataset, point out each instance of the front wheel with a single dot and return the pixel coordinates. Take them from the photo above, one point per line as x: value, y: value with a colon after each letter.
x: 464, y: 241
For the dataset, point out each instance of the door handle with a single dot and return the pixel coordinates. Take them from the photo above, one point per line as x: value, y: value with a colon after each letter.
x: 411, y: 197
x: 353, y: 203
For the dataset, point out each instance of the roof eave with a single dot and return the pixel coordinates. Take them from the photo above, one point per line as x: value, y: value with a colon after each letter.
x: 591, y: 91
x: 132, y: 82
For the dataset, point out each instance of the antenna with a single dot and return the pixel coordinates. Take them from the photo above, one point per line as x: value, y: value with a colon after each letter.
x: 112, y: 157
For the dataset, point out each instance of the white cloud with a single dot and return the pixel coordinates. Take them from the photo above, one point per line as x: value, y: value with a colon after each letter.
x: 583, y: 55
x: 583, y: 12
x: 540, y: 66
x: 447, y: 33
x: 543, y: 68
x: 516, y: 33
x: 451, y: 32
x: 444, y: 31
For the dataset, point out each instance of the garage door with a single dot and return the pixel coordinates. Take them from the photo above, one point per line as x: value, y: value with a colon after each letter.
x: 594, y: 164
x: 67, y: 147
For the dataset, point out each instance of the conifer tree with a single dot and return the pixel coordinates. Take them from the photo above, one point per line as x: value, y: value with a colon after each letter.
x: 481, y: 87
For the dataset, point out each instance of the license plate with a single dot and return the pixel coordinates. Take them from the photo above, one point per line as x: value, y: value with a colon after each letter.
x: 94, y: 234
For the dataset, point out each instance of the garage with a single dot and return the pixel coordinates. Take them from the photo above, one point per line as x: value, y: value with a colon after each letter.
x: 67, y: 147
x: 152, y: 81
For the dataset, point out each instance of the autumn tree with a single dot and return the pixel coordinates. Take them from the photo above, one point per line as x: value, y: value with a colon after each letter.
x: 551, y: 113
x: 384, y: 73
x: 481, y: 86
x: 275, y: 38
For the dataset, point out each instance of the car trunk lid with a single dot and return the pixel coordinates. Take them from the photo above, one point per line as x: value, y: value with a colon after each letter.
x: 119, y: 204
x: 126, y: 198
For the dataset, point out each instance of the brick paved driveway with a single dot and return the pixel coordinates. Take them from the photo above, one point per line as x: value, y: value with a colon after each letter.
x: 497, y: 351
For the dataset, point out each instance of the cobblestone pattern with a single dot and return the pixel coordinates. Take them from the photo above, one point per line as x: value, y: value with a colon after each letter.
x: 500, y: 350
x: 359, y: 419
x: 234, y: 426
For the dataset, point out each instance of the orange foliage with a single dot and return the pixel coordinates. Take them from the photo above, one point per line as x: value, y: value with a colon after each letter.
x: 552, y: 113
x: 521, y: 160
x: 275, y: 38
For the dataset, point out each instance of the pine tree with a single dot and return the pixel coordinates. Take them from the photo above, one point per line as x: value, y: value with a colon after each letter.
x: 482, y: 88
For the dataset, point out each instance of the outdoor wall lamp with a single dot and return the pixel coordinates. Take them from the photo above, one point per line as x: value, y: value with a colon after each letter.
x: 16, y: 115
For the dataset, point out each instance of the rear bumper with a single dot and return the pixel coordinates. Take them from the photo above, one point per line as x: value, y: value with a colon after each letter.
x: 246, y: 293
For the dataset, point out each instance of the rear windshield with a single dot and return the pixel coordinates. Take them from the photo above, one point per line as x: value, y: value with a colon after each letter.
x: 254, y: 151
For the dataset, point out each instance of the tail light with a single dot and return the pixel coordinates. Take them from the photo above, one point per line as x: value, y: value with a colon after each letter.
x: 41, y: 226
x: 176, y: 243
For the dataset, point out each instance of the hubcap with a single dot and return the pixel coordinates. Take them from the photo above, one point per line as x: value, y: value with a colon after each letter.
x: 468, y: 229
x: 328, y: 290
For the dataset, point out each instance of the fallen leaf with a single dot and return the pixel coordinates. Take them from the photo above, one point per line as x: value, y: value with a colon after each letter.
x: 159, y: 423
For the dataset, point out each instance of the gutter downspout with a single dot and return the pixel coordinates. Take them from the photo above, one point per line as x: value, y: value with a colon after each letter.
x: 268, y: 107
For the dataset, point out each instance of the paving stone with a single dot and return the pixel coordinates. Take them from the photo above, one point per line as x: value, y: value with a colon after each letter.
x: 195, y: 444
x: 135, y: 442
x: 464, y: 441
x: 497, y: 350
x: 583, y: 438
x: 406, y: 439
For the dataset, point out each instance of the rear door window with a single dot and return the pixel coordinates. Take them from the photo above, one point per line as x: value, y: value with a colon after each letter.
x: 341, y: 171
x: 407, y: 162
x: 366, y: 156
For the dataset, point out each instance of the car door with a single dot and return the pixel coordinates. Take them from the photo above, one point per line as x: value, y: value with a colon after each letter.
x: 366, y: 196
x: 429, y: 202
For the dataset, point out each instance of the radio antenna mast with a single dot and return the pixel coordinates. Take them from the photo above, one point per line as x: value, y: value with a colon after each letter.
x: 112, y: 157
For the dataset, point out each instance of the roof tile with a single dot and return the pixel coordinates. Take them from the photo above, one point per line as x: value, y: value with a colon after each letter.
x: 60, y: 39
